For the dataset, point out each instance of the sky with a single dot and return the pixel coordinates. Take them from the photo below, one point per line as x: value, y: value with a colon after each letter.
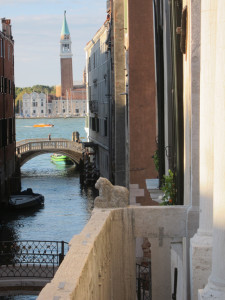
x: 36, y: 28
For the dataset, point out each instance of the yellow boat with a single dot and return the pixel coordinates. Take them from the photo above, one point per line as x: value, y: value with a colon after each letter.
x: 43, y: 125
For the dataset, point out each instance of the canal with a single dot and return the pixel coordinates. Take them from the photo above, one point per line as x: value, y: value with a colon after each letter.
x: 67, y: 205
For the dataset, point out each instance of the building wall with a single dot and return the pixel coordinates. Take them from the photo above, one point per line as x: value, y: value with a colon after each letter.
x: 63, y: 108
x: 34, y: 105
x: 7, y: 117
x: 118, y: 93
x: 142, y: 108
x: 66, y: 75
x: 99, y: 99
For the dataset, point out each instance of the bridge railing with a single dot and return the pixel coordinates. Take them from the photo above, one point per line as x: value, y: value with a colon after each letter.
x: 29, y: 258
x: 44, y: 144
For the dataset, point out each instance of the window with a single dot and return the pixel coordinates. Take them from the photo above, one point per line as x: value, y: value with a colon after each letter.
x: 5, y: 85
x: 66, y: 47
x: 4, y: 132
x: 0, y: 133
x: 13, y: 129
x: 1, y: 47
x: 77, y: 111
x: 42, y: 111
x: 93, y: 125
x: 10, y: 87
x: 97, y: 124
x: 94, y: 55
x: 8, y: 52
x: 10, y: 131
x: 2, y: 84
x: 105, y: 127
x: 42, y: 104
x: 89, y: 93
x: 64, y: 110
x: 34, y: 111
x: 89, y: 64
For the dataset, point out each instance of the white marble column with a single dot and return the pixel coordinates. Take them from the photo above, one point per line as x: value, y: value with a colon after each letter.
x: 215, y: 288
x: 201, y: 243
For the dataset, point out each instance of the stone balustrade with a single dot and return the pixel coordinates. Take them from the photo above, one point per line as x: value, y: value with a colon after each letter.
x: 100, y: 264
x: 27, y: 149
x: 40, y: 144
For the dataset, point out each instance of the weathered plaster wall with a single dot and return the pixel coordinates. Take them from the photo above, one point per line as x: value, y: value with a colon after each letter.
x: 101, y: 261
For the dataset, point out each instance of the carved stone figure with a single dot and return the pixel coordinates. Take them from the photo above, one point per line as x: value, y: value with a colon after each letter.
x: 110, y: 196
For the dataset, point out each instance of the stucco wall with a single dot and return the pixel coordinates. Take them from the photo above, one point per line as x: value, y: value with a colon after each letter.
x: 100, y: 263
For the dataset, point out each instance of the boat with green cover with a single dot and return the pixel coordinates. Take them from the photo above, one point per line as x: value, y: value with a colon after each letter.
x: 61, y: 159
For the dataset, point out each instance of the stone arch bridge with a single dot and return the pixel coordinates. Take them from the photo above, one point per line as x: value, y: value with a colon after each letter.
x: 30, y: 148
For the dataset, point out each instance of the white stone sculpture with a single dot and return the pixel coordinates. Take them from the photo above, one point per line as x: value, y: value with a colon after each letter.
x: 110, y: 196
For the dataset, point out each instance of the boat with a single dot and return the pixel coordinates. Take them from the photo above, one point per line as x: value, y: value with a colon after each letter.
x: 26, y: 199
x: 61, y: 159
x: 43, y: 125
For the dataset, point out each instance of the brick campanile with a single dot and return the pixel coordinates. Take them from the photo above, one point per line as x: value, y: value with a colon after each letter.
x: 66, y: 59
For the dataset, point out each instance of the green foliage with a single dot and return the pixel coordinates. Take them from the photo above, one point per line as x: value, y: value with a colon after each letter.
x: 156, y: 159
x: 169, y: 189
x: 36, y: 88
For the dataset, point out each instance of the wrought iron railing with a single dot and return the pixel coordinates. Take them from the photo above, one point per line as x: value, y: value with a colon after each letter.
x: 31, y: 258
x: 143, y: 281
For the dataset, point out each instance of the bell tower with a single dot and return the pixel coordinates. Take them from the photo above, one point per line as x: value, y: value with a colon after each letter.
x: 66, y: 59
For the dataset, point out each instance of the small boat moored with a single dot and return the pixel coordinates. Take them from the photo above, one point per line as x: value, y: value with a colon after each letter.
x: 61, y: 159
x: 26, y: 199
x: 43, y: 125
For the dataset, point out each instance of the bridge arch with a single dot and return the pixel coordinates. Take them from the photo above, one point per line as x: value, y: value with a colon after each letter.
x: 28, y: 149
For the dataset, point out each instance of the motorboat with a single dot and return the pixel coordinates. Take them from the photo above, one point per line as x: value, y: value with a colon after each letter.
x: 26, y: 199
x: 61, y: 159
x: 43, y: 125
